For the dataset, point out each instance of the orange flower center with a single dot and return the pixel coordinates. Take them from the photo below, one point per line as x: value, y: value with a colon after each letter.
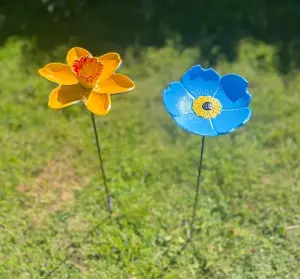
x: 88, y: 70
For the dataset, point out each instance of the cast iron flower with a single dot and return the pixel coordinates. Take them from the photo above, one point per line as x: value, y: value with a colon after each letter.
x: 206, y: 104
x: 86, y: 78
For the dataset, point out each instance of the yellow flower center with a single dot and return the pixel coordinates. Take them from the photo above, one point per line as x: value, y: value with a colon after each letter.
x: 207, y: 107
x: 87, y: 70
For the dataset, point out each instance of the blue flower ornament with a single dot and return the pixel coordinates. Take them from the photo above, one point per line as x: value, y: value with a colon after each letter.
x: 206, y: 104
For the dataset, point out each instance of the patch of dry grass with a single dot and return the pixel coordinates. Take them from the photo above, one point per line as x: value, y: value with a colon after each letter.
x: 54, y: 186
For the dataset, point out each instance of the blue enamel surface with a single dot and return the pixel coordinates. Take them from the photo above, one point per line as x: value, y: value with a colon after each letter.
x: 201, y: 82
x: 231, y: 91
x: 195, y: 124
x: 177, y: 100
x: 230, y: 120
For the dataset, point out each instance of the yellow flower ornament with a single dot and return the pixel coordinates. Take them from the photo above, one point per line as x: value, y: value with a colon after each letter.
x: 86, y: 78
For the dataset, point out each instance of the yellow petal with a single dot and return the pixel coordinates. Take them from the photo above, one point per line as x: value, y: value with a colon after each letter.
x: 98, y: 103
x: 111, y: 61
x: 59, y: 73
x: 75, y: 53
x: 117, y: 83
x: 65, y: 95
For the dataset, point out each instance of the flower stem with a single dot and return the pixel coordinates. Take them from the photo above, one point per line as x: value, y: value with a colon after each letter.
x: 197, y: 188
x: 108, y: 196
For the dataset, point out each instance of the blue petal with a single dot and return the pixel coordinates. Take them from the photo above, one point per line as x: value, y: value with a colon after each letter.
x: 232, y: 92
x: 177, y: 100
x: 231, y: 119
x: 200, y: 82
x: 196, y: 125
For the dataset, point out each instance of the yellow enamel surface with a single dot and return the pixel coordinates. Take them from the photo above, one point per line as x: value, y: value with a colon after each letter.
x: 98, y: 103
x: 59, y: 73
x: 199, y: 111
x: 65, y: 95
x: 117, y: 83
x: 75, y: 53
x: 111, y: 61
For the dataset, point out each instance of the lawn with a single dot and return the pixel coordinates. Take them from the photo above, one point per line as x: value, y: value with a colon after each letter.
x: 53, y: 217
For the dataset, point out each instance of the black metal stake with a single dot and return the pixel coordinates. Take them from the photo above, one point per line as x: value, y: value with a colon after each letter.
x: 197, y: 188
x: 108, y: 196
x: 190, y: 231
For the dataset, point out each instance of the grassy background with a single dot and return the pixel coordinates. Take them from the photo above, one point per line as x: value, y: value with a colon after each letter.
x: 53, y: 217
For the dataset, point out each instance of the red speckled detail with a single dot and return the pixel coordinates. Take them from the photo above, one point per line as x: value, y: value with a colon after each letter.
x: 88, y: 68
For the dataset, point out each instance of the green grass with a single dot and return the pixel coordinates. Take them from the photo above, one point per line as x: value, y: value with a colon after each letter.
x: 53, y: 217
